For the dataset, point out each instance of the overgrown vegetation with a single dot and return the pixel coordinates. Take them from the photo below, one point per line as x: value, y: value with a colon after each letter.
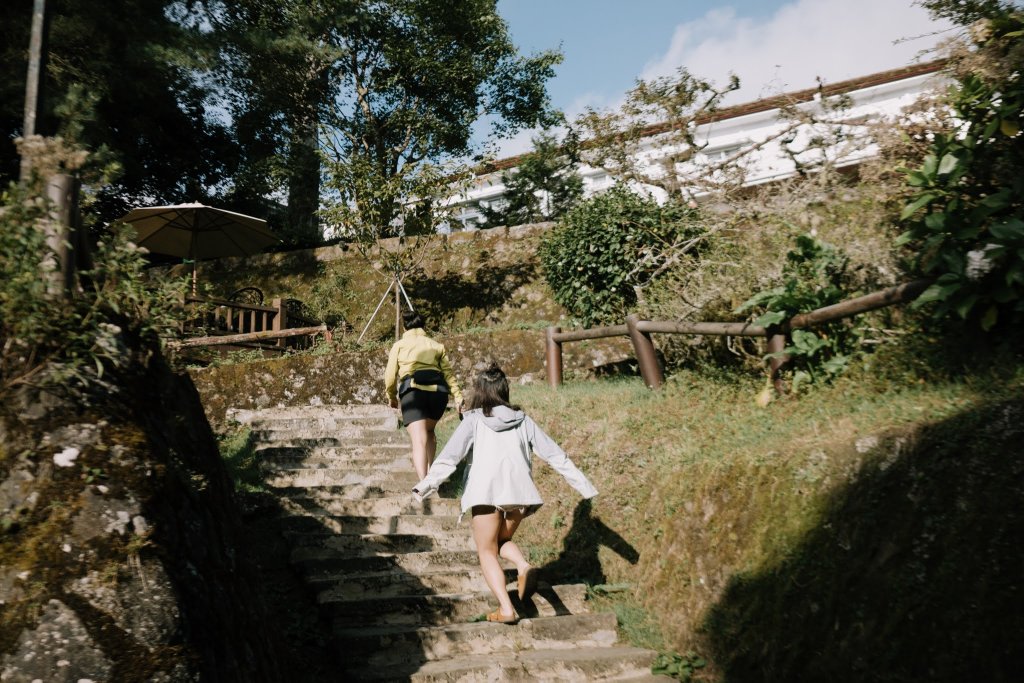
x: 966, y: 211
x: 611, y: 247
x: 813, y: 277
x: 71, y: 341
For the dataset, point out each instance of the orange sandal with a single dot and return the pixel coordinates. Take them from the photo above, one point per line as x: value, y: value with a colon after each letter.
x: 496, y: 616
x: 527, y: 583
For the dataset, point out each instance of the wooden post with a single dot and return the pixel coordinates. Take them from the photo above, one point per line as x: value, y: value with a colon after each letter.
x: 776, y: 343
x: 398, y: 310
x: 553, y: 352
x: 280, y: 321
x: 645, y: 355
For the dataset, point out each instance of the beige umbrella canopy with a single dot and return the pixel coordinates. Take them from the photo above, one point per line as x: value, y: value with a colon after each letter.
x: 197, y: 231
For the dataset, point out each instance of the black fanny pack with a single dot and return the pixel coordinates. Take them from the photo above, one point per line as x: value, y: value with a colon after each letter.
x: 425, y: 380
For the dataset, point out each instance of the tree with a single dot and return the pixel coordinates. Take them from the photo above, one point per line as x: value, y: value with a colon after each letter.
x: 543, y: 186
x: 415, y: 77
x: 653, y: 135
x: 123, y: 81
x: 276, y: 68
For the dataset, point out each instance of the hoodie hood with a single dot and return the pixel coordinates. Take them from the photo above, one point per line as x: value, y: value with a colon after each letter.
x: 502, y: 418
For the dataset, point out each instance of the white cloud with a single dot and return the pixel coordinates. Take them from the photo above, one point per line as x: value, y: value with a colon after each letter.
x: 803, y: 40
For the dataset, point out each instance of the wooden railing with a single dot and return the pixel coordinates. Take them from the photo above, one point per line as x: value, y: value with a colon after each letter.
x: 639, y: 332
x: 219, y: 322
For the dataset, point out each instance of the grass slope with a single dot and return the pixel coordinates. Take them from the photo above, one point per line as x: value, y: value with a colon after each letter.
x: 869, y: 531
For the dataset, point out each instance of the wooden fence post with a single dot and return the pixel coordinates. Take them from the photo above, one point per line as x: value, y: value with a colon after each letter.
x: 553, y: 352
x: 776, y: 343
x: 280, y: 320
x: 645, y: 355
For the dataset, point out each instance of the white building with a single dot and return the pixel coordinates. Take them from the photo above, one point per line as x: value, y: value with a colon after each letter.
x: 754, y: 126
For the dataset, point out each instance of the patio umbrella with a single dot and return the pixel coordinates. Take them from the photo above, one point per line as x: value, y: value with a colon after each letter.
x: 197, y: 231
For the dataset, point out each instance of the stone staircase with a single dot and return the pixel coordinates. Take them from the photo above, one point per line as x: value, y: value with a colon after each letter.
x: 398, y: 579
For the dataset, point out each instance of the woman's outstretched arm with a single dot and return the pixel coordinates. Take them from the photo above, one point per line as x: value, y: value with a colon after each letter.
x: 454, y: 452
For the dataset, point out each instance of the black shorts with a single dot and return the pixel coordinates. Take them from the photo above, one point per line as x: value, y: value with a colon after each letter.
x: 423, y: 405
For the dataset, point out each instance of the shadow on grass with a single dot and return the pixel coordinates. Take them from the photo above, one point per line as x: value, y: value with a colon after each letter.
x: 916, y: 574
x: 578, y: 562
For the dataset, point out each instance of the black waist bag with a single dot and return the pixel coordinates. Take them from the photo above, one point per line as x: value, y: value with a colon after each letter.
x: 426, y: 380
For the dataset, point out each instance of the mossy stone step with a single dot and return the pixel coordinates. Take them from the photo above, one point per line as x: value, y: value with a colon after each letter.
x: 382, y: 646
x: 435, y: 610
x: 377, y: 506
x: 333, y: 546
x: 394, y: 524
x: 570, y: 664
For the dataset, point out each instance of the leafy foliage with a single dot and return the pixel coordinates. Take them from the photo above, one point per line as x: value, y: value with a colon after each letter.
x: 811, y: 278
x: 47, y: 339
x: 679, y: 667
x: 965, y: 212
x: 544, y: 186
x: 610, y: 247
x: 413, y: 79
x: 123, y: 81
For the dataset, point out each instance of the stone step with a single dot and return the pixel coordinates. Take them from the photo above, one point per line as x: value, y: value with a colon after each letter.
x: 381, y: 647
x: 362, y: 414
x: 301, y: 438
x: 412, y: 563
x: 367, y: 465
x: 576, y: 664
x: 375, y: 506
x: 393, y: 481
x: 435, y: 610
x: 399, y: 583
x: 350, y: 492
x: 432, y: 525
x: 327, y: 546
x: 352, y: 455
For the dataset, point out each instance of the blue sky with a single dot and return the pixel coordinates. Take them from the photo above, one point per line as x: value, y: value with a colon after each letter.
x: 772, y: 45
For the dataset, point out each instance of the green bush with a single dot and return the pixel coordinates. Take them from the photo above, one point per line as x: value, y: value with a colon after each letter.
x: 811, y: 278
x: 610, y: 247
x: 966, y: 210
x: 48, y: 339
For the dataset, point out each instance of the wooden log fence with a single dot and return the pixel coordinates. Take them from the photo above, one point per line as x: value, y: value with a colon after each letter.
x: 639, y: 332
x: 229, y: 339
x: 236, y: 322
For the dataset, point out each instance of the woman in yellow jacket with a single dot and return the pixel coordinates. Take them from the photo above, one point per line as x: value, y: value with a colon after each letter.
x: 419, y: 377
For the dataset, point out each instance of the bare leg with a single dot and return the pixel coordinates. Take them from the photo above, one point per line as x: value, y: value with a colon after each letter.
x: 487, y: 523
x: 506, y: 548
x: 424, y: 443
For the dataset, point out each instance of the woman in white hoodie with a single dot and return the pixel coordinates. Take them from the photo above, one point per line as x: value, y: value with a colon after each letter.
x: 499, y: 491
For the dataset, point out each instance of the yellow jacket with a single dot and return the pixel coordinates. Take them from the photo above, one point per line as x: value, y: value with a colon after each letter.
x: 416, y: 351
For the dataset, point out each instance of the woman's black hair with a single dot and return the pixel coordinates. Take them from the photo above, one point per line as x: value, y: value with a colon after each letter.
x: 490, y: 389
x: 412, y: 319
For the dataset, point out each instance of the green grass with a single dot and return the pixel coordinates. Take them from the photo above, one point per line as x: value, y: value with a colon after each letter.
x: 237, y: 450
x: 703, y: 491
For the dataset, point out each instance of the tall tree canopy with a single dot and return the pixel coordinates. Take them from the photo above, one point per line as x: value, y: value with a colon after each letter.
x: 121, y: 80
x: 413, y: 78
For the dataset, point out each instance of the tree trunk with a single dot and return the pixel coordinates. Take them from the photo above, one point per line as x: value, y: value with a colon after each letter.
x: 304, y: 186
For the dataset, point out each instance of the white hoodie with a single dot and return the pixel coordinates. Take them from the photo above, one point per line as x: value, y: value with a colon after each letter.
x: 500, y: 472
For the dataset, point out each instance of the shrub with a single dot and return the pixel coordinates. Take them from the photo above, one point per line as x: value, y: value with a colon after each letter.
x: 811, y: 278
x: 47, y: 339
x: 610, y: 247
x: 965, y: 212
